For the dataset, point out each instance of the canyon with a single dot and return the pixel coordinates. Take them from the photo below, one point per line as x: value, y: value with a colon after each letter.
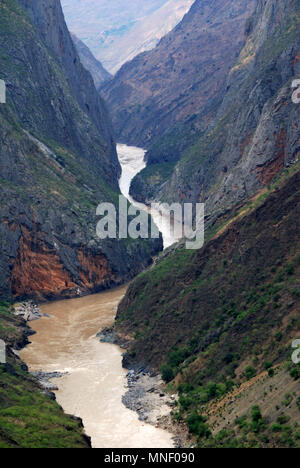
x: 221, y: 126
x: 132, y: 161
x: 227, y: 306
x: 209, y: 116
x: 88, y: 378
x: 181, y: 78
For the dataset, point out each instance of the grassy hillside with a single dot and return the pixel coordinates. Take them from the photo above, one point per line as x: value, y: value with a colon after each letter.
x: 222, y: 320
x: 28, y: 418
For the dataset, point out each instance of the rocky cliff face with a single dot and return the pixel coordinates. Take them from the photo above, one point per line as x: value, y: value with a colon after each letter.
x: 227, y: 319
x: 58, y: 121
x: 184, y: 74
x: 255, y: 133
x: 90, y: 63
x: 57, y: 163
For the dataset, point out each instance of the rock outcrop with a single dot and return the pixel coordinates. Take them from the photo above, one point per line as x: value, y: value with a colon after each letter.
x: 58, y: 120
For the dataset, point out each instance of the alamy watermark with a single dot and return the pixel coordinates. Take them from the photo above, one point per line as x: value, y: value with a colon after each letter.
x: 2, y: 92
x: 296, y: 353
x: 296, y: 93
x: 2, y: 352
x: 176, y: 220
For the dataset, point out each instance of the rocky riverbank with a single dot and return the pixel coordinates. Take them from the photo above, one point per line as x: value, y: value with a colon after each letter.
x: 28, y: 310
x: 109, y: 335
x: 146, y: 394
x: 25, y: 395
x: 147, y: 397
x: 44, y: 380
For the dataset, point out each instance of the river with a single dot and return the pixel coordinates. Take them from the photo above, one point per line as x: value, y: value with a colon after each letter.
x: 132, y: 161
x: 93, y: 388
x: 66, y: 342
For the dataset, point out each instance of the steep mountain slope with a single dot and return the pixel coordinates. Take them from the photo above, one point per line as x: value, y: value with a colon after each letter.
x: 230, y: 312
x: 184, y: 74
x: 90, y: 63
x: 57, y: 163
x: 116, y: 34
x: 220, y: 322
x: 256, y: 132
x: 47, y: 16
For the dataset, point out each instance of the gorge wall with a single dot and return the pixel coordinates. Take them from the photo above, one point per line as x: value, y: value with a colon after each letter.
x: 232, y: 125
x: 184, y: 74
x: 58, y: 161
x: 256, y: 133
x: 219, y: 323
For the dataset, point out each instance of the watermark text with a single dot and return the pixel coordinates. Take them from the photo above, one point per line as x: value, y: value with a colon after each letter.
x: 2, y: 352
x: 2, y: 92
x: 176, y: 222
x: 296, y: 353
x: 296, y: 93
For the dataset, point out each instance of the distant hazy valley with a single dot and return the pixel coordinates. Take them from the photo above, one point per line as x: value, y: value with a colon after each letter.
x: 116, y: 34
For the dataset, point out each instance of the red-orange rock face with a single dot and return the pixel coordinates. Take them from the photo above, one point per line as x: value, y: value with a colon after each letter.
x: 38, y: 270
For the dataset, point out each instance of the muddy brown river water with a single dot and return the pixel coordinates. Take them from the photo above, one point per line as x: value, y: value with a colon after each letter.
x: 66, y: 342
x: 95, y: 383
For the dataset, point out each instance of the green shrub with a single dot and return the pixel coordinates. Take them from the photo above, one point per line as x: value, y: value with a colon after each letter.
x: 276, y: 427
x: 278, y: 336
x: 290, y: 269
x: 178, y: 356
x: 295, y: 373
x: 267, y: 365
x: 197, y: 425
x: 283, y: 419
x: 250, y: 372
x: 256, y: 413
x: 167, y: 373
x: 257, y: 422
x: 288, y: 399
x: 241, y: 422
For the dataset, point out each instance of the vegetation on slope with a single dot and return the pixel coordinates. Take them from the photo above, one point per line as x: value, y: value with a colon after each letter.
x: 225, y: 316
x: 29, y: 418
